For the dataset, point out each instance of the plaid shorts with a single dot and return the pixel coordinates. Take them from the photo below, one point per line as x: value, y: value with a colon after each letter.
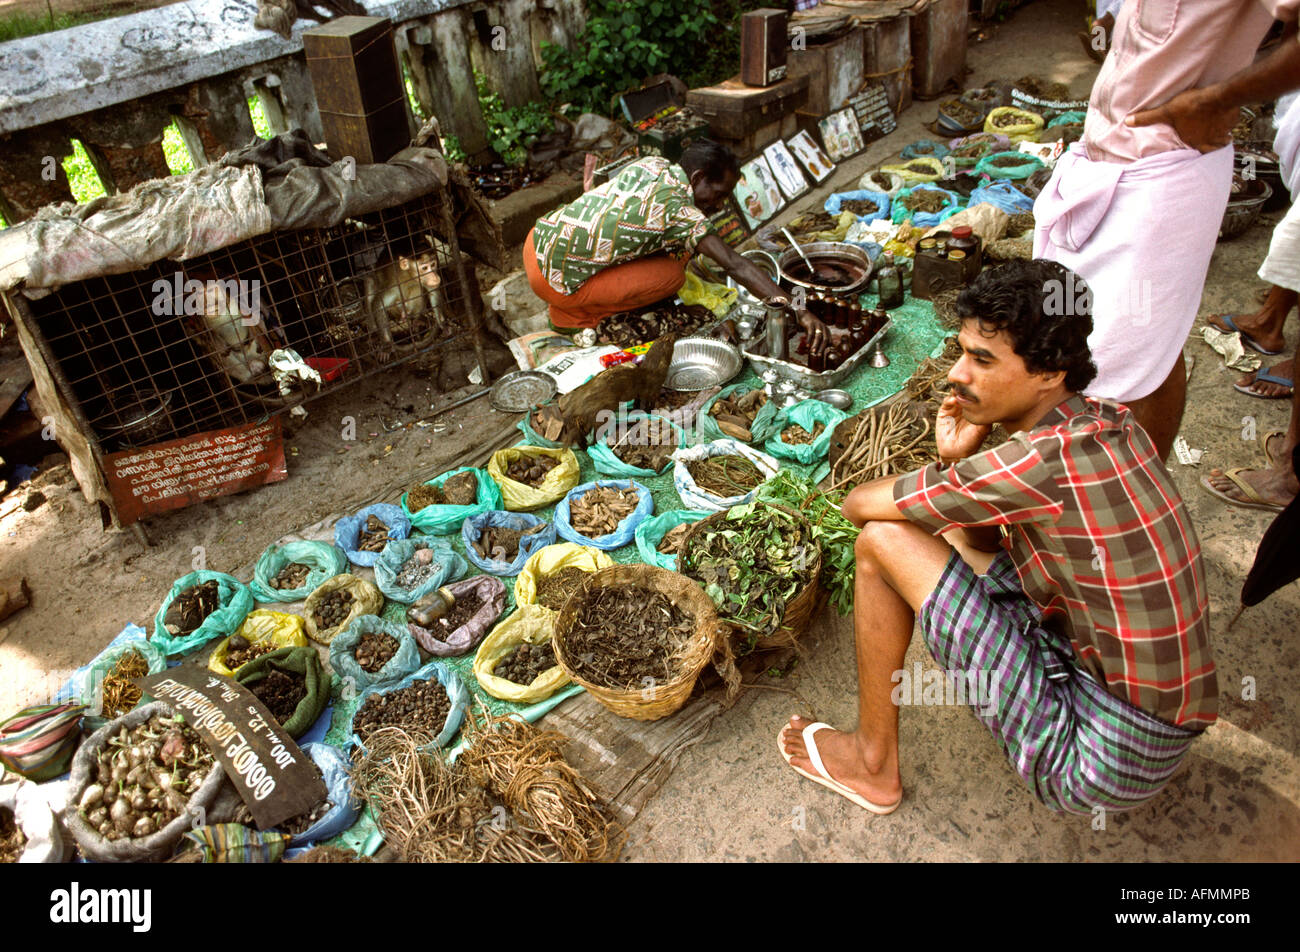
x: 1074, y: 743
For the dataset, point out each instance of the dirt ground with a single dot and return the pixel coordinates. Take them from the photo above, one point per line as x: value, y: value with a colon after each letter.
x: 731, y: 797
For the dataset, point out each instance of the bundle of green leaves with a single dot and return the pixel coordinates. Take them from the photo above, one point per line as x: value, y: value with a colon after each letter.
x: 834, y: 534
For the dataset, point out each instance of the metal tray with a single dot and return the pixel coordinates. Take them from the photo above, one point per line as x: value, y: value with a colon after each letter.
x: 522, y: 390
x: 755, y: 350
x: 700, y: 363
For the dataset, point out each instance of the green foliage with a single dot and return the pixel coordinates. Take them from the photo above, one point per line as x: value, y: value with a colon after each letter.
x: 260, y: 124
x: 510, y: 131
x: 416, y: 109
x: 82, y: 178
x: 177, y: 156
x: 451, y: 148
x: 17, y: 25
x: 830, y: 530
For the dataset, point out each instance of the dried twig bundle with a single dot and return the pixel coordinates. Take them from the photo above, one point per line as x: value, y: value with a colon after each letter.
x: 885, y: 441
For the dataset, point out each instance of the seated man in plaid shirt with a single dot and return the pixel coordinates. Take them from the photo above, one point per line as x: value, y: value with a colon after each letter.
x: 1059, y: 569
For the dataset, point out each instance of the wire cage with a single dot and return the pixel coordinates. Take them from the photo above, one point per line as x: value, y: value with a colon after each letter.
x: 176, y: 349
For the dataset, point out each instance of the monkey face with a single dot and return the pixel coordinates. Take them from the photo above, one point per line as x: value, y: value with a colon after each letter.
x: 426, y: 267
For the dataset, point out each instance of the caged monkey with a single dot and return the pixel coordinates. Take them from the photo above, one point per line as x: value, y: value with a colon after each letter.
x: 228, y: 319
x: 404, y: 301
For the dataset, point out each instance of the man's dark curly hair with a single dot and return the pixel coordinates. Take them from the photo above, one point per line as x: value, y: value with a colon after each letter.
x: 1046, y: 310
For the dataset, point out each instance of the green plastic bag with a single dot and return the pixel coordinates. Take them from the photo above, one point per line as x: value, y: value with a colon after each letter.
x: 607, y: 462
x: 652, y: 531
x: 707, y: 427
x: 1026, y: 167
x: 236, y: 600
x: 807, y: 414
x: 444, y: 520
x: 532, y: 437
x: 326, y: 561
x: 304, y: 661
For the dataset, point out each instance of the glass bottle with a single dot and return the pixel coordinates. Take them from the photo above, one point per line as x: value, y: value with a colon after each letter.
x: 889, y: 280
x: 431, y: 607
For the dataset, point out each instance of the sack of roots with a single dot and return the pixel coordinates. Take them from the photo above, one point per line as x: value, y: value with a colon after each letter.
x: 324, y: 560
x: 1018, y: 125
x: 473, y: 528
x: 1014, y: 165
x: 650, y: 534
x: 444, y: 520
x: 550, y: 560
x: 885, y: 182
x: 457, y: 695
x: 520, y: 497
x: 693, y: 496
x: 38, y: 741
x: 345, y: 806
x: 626, y: 528
x: 534, y: 625
x: 301, y: 661
x: 880, y: 199
x: 911, y: 171
x: 450, y: 567
x: 952, y: 203
x: 86, y: 683
x: 235, y: 601
x: 156, y: 846
x: 446, y: 643
x: 43, y: 841
x: 706, y: 424
x: 658, y: 429
x: 807, y: 414
x: 651, y: 701
x: 343, y: 653
x: 532, y: 437
x: 366, y: 600
x: 347, y: 531
x: 261, y: 627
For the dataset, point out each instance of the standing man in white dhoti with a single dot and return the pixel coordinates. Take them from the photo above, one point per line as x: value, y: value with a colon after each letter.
x: 1134, y: 208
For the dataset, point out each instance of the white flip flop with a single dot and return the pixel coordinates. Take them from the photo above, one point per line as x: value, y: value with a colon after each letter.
x: 822, y: 776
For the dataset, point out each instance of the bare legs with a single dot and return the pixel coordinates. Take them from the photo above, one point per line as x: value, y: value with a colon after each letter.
x: 1264, y: 327
x: 1161, y: 412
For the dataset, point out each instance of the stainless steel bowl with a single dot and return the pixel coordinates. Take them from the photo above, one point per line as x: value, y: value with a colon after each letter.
x: 839, y: 399
x: 837, y: 251
x: 700, y: 363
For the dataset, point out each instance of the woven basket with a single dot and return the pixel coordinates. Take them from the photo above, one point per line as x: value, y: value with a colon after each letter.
x: 1243, y: 211
x: 799, y: 610
x: 710, y: 638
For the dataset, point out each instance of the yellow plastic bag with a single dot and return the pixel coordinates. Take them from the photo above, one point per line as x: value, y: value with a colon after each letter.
x: 551, y: 559
x: 911, y: 176
x: 366, y: 600
x: 1027, y: 129
x: 531, y: 623
x: 520, y: 497
x: 718, y: 298
x: 281, y: 629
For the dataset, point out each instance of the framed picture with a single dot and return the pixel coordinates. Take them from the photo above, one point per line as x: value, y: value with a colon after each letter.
x: 757, y: 193
x: 812, y: 157
x: 785, y: 170
x: 841, y: 135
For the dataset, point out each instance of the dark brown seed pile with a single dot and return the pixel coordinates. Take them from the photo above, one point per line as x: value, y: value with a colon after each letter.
x: 1009, y: 119
x: 920, y: 168
x: 1007, y: 161
x: 627, y: 638
x: 374, y: 650
x: 293, y: 575
x: 281, y: 692
x: 466, y: 607
x: 240, y: 651
x: 334, y: 608
x: 188, y: 609
x: 531, y: 470
x: 422, y: 706
x: 12, y: 840
x: 926, y: 200
x: 554, y: 590
x: 859, y: 206
x: 417, y: 497
x: 525, y: 663
x: 373, y: 537
x: 461, y: 489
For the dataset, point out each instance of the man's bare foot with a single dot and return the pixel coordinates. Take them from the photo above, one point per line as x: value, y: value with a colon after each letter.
x: 844, y: 761
x: 1277, y: 486
x: 1267, y: 388
x: 1264, y: 327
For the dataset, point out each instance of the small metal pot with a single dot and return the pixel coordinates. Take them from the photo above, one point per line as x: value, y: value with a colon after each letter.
x: 836, y: 252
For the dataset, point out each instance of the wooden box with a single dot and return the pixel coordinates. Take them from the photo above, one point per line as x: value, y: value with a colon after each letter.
x: 763, y: 46
x: 887, y: 47
x: 938, y: 37
x: 734, y: 110
x: 358, y: 85
x: 834, y: 70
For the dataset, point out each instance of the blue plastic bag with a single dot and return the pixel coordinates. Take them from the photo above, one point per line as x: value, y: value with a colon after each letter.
x: 348, y: 530
x: 236, y: 601
x: 444, y: 520
x: 953, y: 204
x: 472, y: 528
x: 405, y: 660
x: 832, y: 205
x: 626, y: 530
x: 344, y: 805
x: 652, y: 531
x: 1002, y: 195
x: 607, y: 462
x: 325, y: 560
x: 451, y: 567
x: 457, y: 694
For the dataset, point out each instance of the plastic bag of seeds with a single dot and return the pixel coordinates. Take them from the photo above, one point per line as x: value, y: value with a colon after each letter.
x: 389, y: 665
x: 86, y: 682
x: 952, y: 203
x: 473, y: 529
x: 322, y: 559
x: 707, y: 425
x: 458, y: 697
x: 521, y: 497
x: 265, y: 631
x: 151, y: 847
x: 1009, y: 165
x: 1018, y: 125
x: 887, y: 183
x: 922, y: 147
x: 650, y: 534
x: 878, y: 198
x: 925, y: 168
x: 553, y: 559
x: 1002, y: 195
x: 456, y: 637
x: 532, y: 625
x: 344, y: 806
x: 695, y: 497
x: 295, y: 662
x: 348, y: 531
x: 403, y: 576
x: 235, y: 600
x: 43, y: 841
x: 807, y: 414
x: 365, y: 600
x: 438, y: 519
x: 659, y: 430
x: 623, y: 531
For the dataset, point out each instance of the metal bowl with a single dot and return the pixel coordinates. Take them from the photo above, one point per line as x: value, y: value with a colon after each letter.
x: 836, y: 251
x: 700, y: 363
x: 522, y: 390
x: 839, y: 399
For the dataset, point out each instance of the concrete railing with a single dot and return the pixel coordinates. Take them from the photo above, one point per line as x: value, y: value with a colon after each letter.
x: 116, y: 85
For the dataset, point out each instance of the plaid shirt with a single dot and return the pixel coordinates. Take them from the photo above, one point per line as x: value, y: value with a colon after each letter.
x: 1102, y: 544
x: 646, y: 209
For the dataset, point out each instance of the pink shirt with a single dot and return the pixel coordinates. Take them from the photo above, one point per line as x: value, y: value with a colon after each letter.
x: 1164, y: 47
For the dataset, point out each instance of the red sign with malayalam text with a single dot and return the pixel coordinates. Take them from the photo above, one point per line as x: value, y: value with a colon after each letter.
x: 179, y: 473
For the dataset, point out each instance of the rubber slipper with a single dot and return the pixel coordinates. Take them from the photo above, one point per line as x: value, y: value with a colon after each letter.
x: 1266, y: 377
x: 1232, y: 328
x: 1256, y: 500
x: 1263, y: 442
x: 822, y: 776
